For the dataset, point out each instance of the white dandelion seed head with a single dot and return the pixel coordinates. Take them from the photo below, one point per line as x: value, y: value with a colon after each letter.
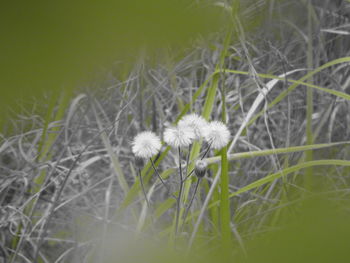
x: 179, y: 136
x: 217, y: 134
x: 146, y: 144
x: 196, y: 122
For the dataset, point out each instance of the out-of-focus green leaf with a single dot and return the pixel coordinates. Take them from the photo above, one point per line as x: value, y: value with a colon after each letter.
x: 50, y: 45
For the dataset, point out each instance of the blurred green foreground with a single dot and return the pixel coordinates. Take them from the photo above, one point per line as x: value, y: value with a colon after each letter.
x: 314, y: 229
x: 55, y: 45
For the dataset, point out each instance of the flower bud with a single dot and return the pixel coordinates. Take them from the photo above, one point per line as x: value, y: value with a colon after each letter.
x: 200, y: 168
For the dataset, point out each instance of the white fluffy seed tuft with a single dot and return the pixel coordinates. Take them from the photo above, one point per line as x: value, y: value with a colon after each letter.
x: 146, y: 144
x: 179, y: 136
x: 196, y: 122
x: 217, y: 134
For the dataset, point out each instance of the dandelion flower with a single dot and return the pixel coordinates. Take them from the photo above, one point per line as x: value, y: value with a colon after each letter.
x: 217, y: 134
x: 146, y: 144
x: 179, y: 136
x: 196, y: 122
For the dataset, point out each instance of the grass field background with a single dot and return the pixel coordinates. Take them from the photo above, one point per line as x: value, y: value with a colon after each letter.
x: 80, y: 80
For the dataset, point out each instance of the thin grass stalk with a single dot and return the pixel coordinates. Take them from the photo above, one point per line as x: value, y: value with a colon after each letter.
x: 146, y: 174
x: 105, y: 221
x: 188, y: 175
x: 309, y: 100
x: 206, y: 151
x: 112, y: 156
x: 203, y: 209
x: 158, y: 175
x: 188, y: 161
x: 190, y: 203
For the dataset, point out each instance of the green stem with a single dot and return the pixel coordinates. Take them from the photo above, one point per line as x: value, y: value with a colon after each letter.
x: 180, y: 195
x: 143, y: 188
x: 225, y: 213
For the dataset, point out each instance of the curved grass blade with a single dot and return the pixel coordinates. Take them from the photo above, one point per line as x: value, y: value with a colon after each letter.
x: 252, y: 154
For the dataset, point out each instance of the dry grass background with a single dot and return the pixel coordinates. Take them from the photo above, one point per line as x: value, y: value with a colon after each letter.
x: 60, y: 174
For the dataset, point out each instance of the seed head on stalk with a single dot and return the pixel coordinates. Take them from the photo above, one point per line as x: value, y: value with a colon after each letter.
x: 217, y: 135
x: 146, y: 144
x: 196, y: 122
x: 179, y: 136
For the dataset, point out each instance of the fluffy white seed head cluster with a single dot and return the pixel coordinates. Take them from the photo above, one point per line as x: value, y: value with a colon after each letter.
x: 195, y: 122
x: 179, y: 136
x: 146, y: 144
x: 217, y: 134
x: 193, y: 127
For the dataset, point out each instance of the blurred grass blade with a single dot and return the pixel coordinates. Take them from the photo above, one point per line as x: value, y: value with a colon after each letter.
x: 286, y: 171
x: 252, y: 154
x: 274, y: 176
x: 143, y: 214
x: 256, y: 104
x: 48, y: 139
x: 225, y: 210
x: 114, y: 159
x: 206, y: 112
x: 284, y: 93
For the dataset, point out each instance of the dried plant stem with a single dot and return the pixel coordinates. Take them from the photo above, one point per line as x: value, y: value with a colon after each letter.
x: 188, y: 160
x: 159, y: 176
x: 190, y: 203
x: 207, y: 150
x: 189, y: 175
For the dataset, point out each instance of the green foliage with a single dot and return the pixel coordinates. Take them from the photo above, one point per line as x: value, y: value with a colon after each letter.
x: 318, y: 233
